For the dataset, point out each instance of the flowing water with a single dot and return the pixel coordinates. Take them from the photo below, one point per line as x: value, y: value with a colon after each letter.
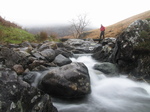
x: 117, y: 94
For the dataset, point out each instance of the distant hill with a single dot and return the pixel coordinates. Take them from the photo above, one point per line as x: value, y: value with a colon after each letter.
x: 12, y: 33
x: 58, y: 30
x: 117, y: 28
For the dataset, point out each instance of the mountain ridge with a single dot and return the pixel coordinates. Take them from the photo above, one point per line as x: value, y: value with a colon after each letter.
x: 116, y: 28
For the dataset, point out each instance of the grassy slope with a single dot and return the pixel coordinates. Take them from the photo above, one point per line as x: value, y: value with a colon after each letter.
x: 117, y: 28
x: 11, y: 33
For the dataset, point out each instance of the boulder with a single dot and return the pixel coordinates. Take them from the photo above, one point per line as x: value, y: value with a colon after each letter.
x: 49, y: 54
x: 80, y: 45
x: 61, y: 60
x: 74, y: 42
x: 64, y: 52
x: 47, y: 45
x: 30, y: 77
x: 107, y: 68
x: 97, y: 48
x: 38, y: 55
x: 18, y: 96
x: 26, y: 44
x: 12, y: 57
x: 36, y: 63
x: 128, y: 40
x: 24, y: 53
x: 104, y: 50
x: 68, y: 81
x: 127, y: 53
x: 18, y: 69
x: 40, y: 68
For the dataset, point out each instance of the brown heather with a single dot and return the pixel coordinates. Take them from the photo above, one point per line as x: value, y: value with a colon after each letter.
x: 8, y: 23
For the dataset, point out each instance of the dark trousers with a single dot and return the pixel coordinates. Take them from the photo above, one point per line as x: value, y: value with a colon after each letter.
x: 102, y: 34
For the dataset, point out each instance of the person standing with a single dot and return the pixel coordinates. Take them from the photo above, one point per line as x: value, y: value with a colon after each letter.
x: 102, y: 32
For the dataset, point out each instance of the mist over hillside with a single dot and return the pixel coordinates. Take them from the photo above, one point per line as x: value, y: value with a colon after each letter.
x: 58, y: 30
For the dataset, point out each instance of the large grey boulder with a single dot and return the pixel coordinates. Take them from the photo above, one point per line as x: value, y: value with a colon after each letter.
x: 128, y: 40
x: 26, y: 44
x: 80, y: 46
x: 127, y: 54
x: 64, y: 52
x: 68, y: 81
x: 49, y: 54
x: 104, y: 50
x: 107, y: 68
x: 61, y: 60
x: 47, y: 45
x: 18, y: 96
x: 38, y: 56
x: 12, y: 57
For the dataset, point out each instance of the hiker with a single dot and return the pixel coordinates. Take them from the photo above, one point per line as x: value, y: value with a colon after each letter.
x: 102, y: 32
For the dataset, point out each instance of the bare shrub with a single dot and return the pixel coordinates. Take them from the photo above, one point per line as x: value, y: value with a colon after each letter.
x: 79, y: 25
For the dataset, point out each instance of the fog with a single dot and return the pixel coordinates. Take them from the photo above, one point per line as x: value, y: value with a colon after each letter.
x: 29, y: 13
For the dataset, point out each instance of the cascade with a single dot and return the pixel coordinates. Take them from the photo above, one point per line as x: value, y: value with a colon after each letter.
x: 109, y: 94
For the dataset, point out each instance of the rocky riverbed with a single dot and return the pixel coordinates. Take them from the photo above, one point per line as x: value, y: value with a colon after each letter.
x: 62, y: 78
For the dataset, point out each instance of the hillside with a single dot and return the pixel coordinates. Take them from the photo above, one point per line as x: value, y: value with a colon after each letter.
x: 117, y: 28
x: 57, y: 30
x: 12, y: 33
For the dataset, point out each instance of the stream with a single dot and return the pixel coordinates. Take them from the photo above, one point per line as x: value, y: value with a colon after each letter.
x: 115, y: 94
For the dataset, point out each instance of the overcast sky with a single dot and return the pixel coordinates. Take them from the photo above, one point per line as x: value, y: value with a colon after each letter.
x: 52, y: 12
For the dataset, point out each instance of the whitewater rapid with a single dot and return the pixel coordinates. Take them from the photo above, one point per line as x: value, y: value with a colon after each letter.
x: 116, y: 94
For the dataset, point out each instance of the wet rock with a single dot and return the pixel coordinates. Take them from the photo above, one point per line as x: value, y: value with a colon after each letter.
x: 40, y: 68
x: 29, y: 77
x: 34, y: 45
x: 38, y: 55
x: 12, y: 57
x: 36, y: 63
x: 64, y: 52
x: 74, y: 42
x: 24, y: 53
x: 104, y: 50
x: 18, y: 96
x: 60, y: 60
x: 80, y: 45
x: 26, y: 44
x: 18, y: 69
x: 107, y: 68
x: 47, y: 45
x: 49, y: 54
x: 126, y: 54
x: 68, y: 81
x: 97, y: 48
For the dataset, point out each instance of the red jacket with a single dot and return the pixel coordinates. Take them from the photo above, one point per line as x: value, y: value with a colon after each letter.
x: 102, y: 28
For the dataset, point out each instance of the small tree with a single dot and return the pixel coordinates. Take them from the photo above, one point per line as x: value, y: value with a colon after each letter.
x: 78, y: 26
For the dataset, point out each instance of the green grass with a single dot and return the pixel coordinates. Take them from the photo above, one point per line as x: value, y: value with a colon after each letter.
x: 14, y: 35
x: 144, y: 44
